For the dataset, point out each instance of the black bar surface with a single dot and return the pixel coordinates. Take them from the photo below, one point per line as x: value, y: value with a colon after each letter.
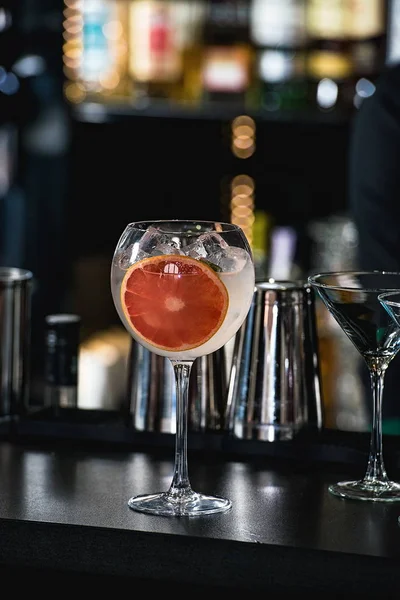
x: 63, y: 511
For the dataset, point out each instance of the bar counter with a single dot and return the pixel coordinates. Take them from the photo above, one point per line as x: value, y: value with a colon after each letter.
x: 63, y: 512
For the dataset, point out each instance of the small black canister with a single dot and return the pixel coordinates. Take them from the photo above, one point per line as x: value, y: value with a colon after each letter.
x: 61, y: 364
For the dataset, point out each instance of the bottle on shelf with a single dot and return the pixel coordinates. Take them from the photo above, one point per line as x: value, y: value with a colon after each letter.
x: 348, y: 40
x: 164, y: 49
x: 261, y: 243
x: 365, y: 25
x: 227, y: 56
x: 330, y: 72
x: 95, y: 50
x: 330, y: 67
x: 278, y: 32
x: 192, y: 30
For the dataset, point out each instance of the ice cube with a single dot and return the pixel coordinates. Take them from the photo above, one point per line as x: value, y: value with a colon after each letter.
x: 170, y: 248
x: 229, y: 260
x: 128, y: 256
x: 213, y: 241
x: 151, y: 239
x: 206, y: 245
x: 195, y: 250
x: 156, y: 243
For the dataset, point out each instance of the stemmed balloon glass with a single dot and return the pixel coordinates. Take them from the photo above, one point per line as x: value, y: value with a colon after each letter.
x: 353, y: 298
x: 182, y: 289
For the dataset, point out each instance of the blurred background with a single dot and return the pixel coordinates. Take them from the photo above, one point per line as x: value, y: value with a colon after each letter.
x: 120, y: 110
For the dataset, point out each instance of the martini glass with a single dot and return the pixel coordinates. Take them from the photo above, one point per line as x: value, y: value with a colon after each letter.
x: 182, y: 289
x: 391, y: 302
x: 353, y: 298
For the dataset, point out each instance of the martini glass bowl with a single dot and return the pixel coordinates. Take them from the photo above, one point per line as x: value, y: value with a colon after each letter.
x: 391, y: 303
x: 354, y: 299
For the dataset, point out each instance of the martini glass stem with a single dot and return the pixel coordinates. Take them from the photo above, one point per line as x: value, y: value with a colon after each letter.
x: 376, y: 471
x: 180, y: 486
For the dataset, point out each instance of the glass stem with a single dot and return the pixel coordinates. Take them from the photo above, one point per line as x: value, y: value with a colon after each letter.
x: 376, y: 471
x: 180, y: 486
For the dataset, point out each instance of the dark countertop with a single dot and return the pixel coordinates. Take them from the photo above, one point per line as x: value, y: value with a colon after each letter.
x: 63, y: 509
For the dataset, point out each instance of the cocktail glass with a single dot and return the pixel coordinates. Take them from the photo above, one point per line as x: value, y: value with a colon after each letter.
x: 352, y: 297
x: 182, y: 289
x: 391, y: 302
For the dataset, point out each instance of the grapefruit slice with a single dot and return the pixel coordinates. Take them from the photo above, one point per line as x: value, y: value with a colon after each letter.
x: 173, y: 302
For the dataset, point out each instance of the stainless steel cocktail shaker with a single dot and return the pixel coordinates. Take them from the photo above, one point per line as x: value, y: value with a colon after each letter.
x: 274, y: 386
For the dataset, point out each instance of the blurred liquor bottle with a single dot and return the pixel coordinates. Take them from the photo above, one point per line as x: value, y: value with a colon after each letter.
x: 95, y: 50
x: 330, y: 66
x: 278, y: 32
x: 164, y: 49
x: 192, y: 28
x: 227, y: 56
x: 366, y: 30
x: 347, y: 45
x: 261, y: 243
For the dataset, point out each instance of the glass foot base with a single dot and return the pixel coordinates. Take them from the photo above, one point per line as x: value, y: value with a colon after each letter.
x: 363, y: 490
x: 192, y: 505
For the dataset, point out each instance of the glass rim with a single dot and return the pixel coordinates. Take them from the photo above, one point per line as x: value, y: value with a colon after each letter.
x: 385, y: 295
x: 312, y: 279
x: 144, y: 224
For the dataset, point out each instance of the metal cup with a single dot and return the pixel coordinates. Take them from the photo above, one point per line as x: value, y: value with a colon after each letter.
x: 151, y: 394
x: 274, y: 387
x: 15, y: 329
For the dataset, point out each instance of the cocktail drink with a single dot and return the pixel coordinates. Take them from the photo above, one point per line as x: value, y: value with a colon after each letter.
x: 353, y: 298
x: 182, y: 289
